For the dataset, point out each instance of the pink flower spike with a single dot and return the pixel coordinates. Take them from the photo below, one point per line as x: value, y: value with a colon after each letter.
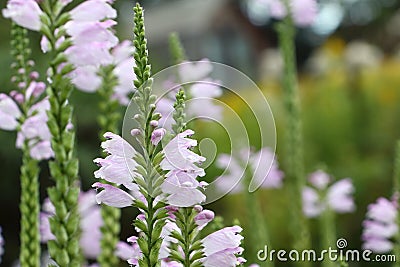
x: 157, y: 135
x: 25, y: 13
x: 113, y: 196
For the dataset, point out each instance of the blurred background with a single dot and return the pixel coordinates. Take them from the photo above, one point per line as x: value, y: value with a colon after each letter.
x: 349, y: 72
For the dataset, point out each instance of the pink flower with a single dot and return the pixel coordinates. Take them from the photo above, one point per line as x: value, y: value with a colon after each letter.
x: 35, y: 130
x: 182, y: 189
x: 35, y: 89
x: 1, y: 245
x: 85, y: 78
x: 90, y: 224
x: 222, y: 247
x: 203, y: 218
x: 380, y: 226
x: 180, y: 185
x: 87, y: 32
x: 113, y: 196
x: 202, y: 91
x: 93, y: 10
x: 303, y: 12
x: 118, y: 167
x: 157, y: 135
x: 25, y: 13
x: 178, y: 155
x: 94, y: 53
x: 263, y: 165
x: 194, y: 71
x: 337, y: 197
x: 9, y: 113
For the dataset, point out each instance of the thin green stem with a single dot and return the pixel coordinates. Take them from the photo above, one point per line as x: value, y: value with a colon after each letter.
x: 328, y: 234
x: 294, y: 152
x: 258, y: 232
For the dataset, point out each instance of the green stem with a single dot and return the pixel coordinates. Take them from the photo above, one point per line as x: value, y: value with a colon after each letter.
x: 108, y: 120
x: 64, y: 250
x: 257, y: 230
x: 328, y: 234
x: 294, y: 164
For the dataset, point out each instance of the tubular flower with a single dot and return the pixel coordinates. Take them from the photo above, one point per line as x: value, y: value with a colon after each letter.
x: 34, y: 128
x: 25, y: 13
x: 380, y: 226
x: 337, y: 197
x: 222, y: 247
x: 180, y: 185
x: 303, y: 12
x: 257, y: 162
x: 194, y: 77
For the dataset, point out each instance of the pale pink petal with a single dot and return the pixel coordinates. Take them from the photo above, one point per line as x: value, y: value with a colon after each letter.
x: 226, y: 238
x: 304, y: 11
x: 93, y: 10
x: 25, y: 13
x: 86, y: 79
x: 112, y: 196
x: 378, y: 245
x: 124, y: 50
x: 319, y: 179
x: 116, y: 145
x: 45, y: 232
x: 203, y: 218
x: 340, y: 196
x: 312, y: 205
x: 42, y: 150
x: 194, y: 71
